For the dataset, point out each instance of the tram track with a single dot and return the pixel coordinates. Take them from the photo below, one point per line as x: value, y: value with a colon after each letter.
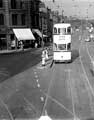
x: 86, y: 81
x: 7, y: 109
x: 52, y: 98
x: 88, y: 86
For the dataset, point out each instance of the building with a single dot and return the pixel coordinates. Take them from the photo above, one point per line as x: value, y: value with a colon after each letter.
x: 16, y: 14
x: 46, y: 20
x: 34, y: 13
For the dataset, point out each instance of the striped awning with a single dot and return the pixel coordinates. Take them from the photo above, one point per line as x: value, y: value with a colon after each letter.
x: 23, y: 34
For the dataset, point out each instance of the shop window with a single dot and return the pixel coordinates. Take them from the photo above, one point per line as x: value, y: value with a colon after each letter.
x: 1, y: 19
x: 23, y: 19
x: 14, y: 19
x: 1, y: 3
x: 13, y: 4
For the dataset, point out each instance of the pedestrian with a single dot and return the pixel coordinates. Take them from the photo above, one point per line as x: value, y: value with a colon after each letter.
x: 21, y: 43
x: 46, y: 53
x: 36, y: 45
x: 43, y: 58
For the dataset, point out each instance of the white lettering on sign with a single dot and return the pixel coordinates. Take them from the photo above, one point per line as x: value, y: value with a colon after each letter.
x: 61, y: 37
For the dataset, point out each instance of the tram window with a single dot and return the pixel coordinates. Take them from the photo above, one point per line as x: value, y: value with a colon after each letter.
x: 69, y: 30
x: 69, y: 46
x: 55, y: 30
x: 63, y: 31
x: 61, y: 46
x: 59, y: 30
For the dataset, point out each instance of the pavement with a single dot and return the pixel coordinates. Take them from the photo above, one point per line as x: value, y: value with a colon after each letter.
x: 14, y: 51
x: 20, y: 50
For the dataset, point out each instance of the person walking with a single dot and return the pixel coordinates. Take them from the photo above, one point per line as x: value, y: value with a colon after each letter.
x: 46, y: 53
x: 36, y: 45
x: 43, y: 58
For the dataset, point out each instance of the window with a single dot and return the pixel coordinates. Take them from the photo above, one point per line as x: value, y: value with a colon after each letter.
x: 63, y: 31
x: 69, y: 30
x: 59, y: 30
x: 13, y: 4
x: 55, y: 30
x: 23, y: 19
x: 14, y: 19
x: 69, y: 46
x: 22, y: 4
x: 1, y: 3
x: 61, y: 46
x: 1, y: 19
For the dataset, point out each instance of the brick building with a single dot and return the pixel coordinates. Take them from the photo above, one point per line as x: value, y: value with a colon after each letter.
x: 16, y: 14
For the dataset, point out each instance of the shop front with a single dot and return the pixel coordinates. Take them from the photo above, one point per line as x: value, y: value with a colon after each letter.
x: 23, y: 38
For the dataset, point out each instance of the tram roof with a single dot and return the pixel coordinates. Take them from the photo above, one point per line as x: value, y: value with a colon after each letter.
x: 60, y: 25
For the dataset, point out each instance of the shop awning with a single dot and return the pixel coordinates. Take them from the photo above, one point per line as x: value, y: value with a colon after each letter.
x: 38, y: 32
x: 23, y: 34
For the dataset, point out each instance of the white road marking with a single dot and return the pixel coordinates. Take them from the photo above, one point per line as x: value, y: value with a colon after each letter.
x: 38, y: 85
x: 42, y: 99
x: 37, y: 80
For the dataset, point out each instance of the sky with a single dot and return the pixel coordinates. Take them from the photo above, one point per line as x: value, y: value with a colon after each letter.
x: 78, y: 8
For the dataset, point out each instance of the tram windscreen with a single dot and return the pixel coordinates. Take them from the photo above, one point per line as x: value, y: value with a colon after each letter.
x: 61, y: 46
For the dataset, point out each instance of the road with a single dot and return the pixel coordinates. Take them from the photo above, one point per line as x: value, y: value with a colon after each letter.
x: 65, y: 90
x: 70, y: 92
x: 14, y: 63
